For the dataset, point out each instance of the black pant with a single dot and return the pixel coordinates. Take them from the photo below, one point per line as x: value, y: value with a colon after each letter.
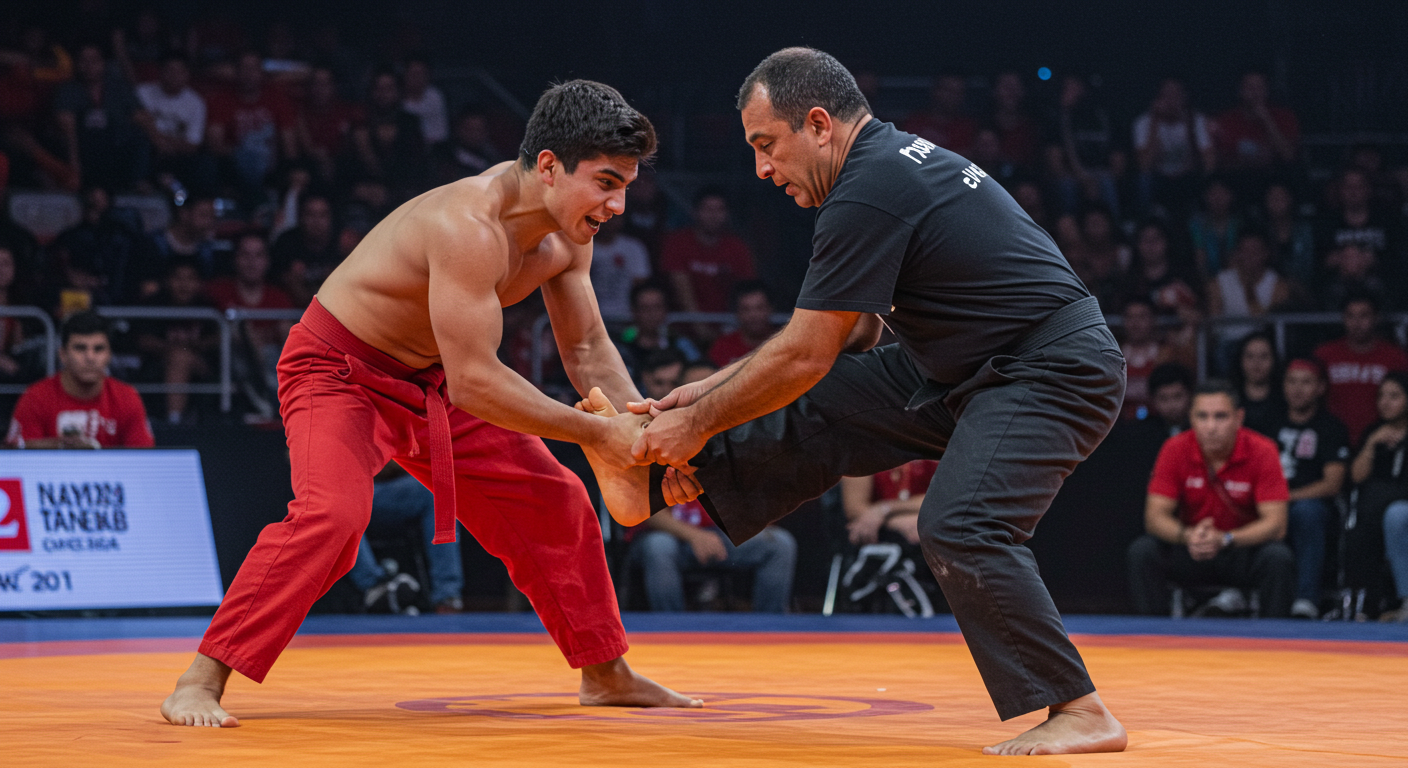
x: 1364, y: 537
x: 1268, y: 568
x: 1008, y: 437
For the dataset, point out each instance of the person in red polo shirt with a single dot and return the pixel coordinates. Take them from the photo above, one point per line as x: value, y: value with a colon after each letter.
x: 1216, y: 513
x: 705, y: 260
x: 81, y: 406
x: 1356, y: 364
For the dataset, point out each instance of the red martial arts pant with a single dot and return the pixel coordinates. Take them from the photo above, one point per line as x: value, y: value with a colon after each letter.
x: 349, y: 408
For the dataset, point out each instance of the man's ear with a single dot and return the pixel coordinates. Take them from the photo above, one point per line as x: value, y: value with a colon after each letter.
x: 547, y: 166
x: 819, y: 124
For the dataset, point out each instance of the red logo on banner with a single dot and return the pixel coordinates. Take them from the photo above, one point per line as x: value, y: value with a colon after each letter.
x: 14, y: 530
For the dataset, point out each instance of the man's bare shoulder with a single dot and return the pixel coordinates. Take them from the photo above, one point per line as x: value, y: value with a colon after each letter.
x: 461, y: 214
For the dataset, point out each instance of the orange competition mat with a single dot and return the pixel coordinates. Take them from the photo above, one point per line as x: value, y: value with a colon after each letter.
x: 773, y: 698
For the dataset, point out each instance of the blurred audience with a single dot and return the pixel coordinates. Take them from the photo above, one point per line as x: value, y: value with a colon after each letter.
x: 752, y: 313
x: 648, y: 332
x: 1172, y: 147
x: 705, y: 259
x: 178, y: 351
x: 399, y: 503
x: 619, y: 264
x: 1355, y: 365
x: 1375, y: 528
x: 1256, y: 375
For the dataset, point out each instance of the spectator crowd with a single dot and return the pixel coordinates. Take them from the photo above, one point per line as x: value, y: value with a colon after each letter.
x: 273, y: 154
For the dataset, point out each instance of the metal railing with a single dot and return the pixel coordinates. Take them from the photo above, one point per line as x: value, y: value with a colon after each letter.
x: 227, y: 321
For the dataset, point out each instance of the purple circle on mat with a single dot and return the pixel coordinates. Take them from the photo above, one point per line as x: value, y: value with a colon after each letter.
x: 718, y: 707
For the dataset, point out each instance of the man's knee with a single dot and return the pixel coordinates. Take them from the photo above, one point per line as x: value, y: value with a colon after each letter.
x: 1275, y: 557
x: 658, y: 549
x: 1308, y: 511
x: 782, y: 545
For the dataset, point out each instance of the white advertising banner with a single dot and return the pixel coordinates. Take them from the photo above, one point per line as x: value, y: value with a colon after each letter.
x: 105, y: 529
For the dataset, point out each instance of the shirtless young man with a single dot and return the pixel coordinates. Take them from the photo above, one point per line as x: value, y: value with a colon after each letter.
x: 413, y: 318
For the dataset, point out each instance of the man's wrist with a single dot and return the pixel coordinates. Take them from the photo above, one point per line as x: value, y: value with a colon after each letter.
x: 1228, y: 540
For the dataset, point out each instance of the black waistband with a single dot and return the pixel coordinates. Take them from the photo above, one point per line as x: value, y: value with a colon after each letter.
x: 1076, y: 316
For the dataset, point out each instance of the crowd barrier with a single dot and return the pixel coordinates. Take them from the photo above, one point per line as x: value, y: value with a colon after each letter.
x: 1211, y: 332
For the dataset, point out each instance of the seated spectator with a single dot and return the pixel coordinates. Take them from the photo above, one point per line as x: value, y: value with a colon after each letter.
x: 1356, y: 364
x: 1214, y: 229
x: 1255, y: 138
x: 251, y: 127
x: 390, y: 147
x: 178, y: 352
x: 425, y: 101
x: 1248, y: 287
x: 648, y: 332
x: 1016, y: 130
x: 1173, y: 148
x: 260, y: 342
x: 619, y: 264
x: 943, y: 121
x: 1084, y: 139
x: 647, y: 211
x: 399, y: 501
x: 1215, y: 515
x: 752, y: 312
x: 107, y: 240
x: 27, y: 79
x: 469, y: 151
x: 81, y: 406
x: 1143, y: 352
x: 190, y: 235
x: 660, y: 372
x: 705, y: 260
x: 1314, y: 453
x: 98, y: 117
x: 1103, y: 258
x: 1352, y: 271
x: 885, y: 507
x: 1156, y: 275
x: 1292, y: 239
x: 1375, y: 528
x: 1030, y: 198
x: 1256, y: 375
x: 12, y: 294
x: 1356, y: 219
x: 304, y: 256
x: 173, y: 118
x: 1170, y: 397
x: 325, y: 124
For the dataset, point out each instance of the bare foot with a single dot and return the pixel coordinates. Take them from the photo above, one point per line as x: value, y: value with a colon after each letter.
x: 625, y: 491
x: 615, y: 684
x: 1082, y: 725
x: 196, y: 700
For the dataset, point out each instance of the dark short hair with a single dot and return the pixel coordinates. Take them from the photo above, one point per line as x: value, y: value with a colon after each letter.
x: 1358, y: 296
x: 581, y: 119
x: 661, y: 358
x: 707, y: 192
x: 1219, y: 387
x: 649, y: 285
x: 799, y: 79
x: 83, y: 324
x: 745, y: 287
x: 1170, y: 373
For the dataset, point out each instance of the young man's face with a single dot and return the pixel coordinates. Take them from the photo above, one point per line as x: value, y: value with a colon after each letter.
x: 711, y: 215
x: 753, y: 311
x: 184, y: 285
x: 1171, y: 403
x: 791, y: 159
x: 1258, y: 362
x: 580, y: 201
x: 661, y: 381
x: 86, y: 356
x: 1303, y: 388
x: 1215, y: 423
x: 650, y: 309
x: 1359, y: 319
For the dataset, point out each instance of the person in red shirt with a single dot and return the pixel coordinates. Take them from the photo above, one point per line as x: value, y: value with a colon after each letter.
x: 251, y: 126
x: 326, y: 122
x: 81, y: 406
x: 1216, y: 513
x: 886, y: 506
x: 1356, y: 364
x: 260, y: 342
x: 943, y: 121
x: 1255, y: 136
x: 752, y: 311
x: 705, y: 260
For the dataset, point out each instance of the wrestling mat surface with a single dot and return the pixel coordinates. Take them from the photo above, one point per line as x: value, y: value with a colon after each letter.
x: 491, y: 690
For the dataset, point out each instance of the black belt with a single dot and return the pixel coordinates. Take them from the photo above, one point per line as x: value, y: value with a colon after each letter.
x: 1076, y: 316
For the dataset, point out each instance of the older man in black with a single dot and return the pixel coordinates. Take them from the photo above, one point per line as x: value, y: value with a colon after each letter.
x: 1004, y: 368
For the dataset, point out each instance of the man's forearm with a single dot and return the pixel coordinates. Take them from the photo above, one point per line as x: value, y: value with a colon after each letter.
x: 598, y: 364
x: 501, y: 397
x: 1260, y: 531
x: 775, y: 375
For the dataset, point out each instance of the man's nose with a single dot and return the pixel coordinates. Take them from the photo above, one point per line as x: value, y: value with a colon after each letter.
x: 762, y: 165
x: 616, y: 204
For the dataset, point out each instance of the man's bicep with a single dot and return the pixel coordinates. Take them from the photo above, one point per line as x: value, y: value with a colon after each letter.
x: 465, y: 314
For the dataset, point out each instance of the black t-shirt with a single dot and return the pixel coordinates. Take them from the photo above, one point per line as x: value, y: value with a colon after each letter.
x: 1307, y: 448
x: 915, y: 232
